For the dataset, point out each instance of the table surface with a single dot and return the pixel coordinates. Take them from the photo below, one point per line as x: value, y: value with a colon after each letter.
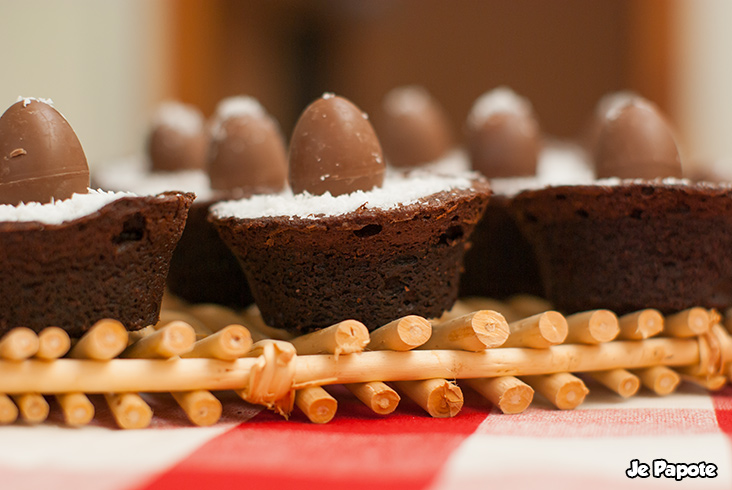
x: 590, y: 447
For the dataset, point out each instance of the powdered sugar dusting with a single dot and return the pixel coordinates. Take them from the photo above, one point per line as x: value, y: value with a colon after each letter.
x: 398, y: 190
x: 559, y: 164
x: 609, y: 103
x: 184, y: 118
x: 58, y: 212
x: 411, y: 99
x: 28, y: 100
x: 614, y: 105
x: 132, y: 174
x: 231, y: 107
x: 498, y: 100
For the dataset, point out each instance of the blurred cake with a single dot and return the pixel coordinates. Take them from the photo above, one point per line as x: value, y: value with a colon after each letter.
x: 71, y: 255
x: 346, y: 241
x: 243, y: 153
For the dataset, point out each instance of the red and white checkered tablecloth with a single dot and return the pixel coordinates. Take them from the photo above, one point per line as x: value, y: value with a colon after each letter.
x: 587, y: 448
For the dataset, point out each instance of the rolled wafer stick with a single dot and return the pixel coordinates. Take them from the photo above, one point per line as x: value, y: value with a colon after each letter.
x: 172, y: 302
x: 592, y: 327
x: 404, y: 334
x: 201, y: 406
x: 713, y: 383
x: 376, y: 395
x: 459, y: 308
x: 565, y: 391
x: 278, y: 371
x: 8, y: 410
x: 133, y: 337
x: 76, y: 408
x: 227, y: 344
x: 172, y: 340
x: 620, y: 381
x: 538, y: 331
x: 18, y: 344
x: 53, y: 342
x: 260, y: 330
x: 33, y: 408
x: 129, y: 410
x: 438, y: 397
x: 688, y: 323
x: 215, y: 317
x: 269, y: 381
x: 105, y: 340
x: 509, y: 394
x: 526, y: 305
x: 659, y: 379
x: 169, y: 316
x: 477, y: 331
x: 640, y: 324
x: 344, y: 337
x: 475, y: 303
x: 317, y: 404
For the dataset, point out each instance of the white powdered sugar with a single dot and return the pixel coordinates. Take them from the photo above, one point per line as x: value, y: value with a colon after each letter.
x: 454, y: 162
x: 559, y: 164
x: 398, y: 190
x: 132, y: 174
x: 496, y: 101
x: 184, y: 118
x: 231, y: 107
x: 28, y: 100
x: 411, y: 99
x: 57, y: 212
x: 610, y: 103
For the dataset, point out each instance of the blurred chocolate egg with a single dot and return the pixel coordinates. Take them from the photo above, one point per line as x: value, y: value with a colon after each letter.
x: 334, y: 149
x: 636, y: 142
x: 247, y: 150
x: 413, y: 127
x: 178, y: 139
x: 503, y: 136
x: 42, y: 159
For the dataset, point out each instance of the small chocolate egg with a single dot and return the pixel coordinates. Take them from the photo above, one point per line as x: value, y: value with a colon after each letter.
x: 42, y: 159
x: 334, y: 149
x: 414, y: 129
x: 503, y: 136
x: 247, y: 150
x: 178, y: 139
x: 636, y: 142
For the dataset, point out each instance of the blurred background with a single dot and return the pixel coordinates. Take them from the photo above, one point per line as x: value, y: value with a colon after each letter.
x: 107, y: 64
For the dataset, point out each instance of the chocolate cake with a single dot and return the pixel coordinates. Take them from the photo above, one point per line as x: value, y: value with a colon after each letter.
x: 644, y: 240
x: 244, y: 155
x: 350, y: 243
x: 504, y: 143
x: 626, y: 245
x: 72, y: 256
x: 110, y: 263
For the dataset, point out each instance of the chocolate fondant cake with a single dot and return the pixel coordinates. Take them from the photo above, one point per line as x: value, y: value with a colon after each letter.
x: 72, y: 256
x: 625, y: 244
x: 351, y: 243
x: 244, y: 155
x: 109, y: 263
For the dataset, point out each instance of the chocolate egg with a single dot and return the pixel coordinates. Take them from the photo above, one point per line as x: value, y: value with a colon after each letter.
x: 42, y: 159
x: 635, y: 141
x: 334, y: 149
x: 414, y: 128
x: 247, y: 149
x: 503, y: 136
x: 177, y: 140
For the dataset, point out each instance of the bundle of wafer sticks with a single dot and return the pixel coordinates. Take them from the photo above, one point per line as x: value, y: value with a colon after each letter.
x: 506, y: 351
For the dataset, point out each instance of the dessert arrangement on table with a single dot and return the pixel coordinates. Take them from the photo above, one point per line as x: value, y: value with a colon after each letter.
x: 226, y: 260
